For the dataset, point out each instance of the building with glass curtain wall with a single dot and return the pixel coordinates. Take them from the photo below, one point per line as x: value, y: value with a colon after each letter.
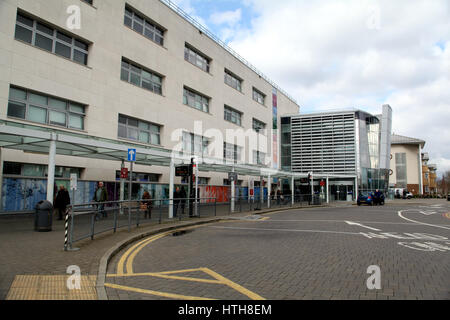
x: 345, y: 146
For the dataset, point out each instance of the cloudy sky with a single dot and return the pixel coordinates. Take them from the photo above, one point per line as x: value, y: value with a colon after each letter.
x: 331, y: 54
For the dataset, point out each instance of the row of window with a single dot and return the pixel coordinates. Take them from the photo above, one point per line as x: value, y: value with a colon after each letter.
x: 36, y: 107
x: 47, y: 38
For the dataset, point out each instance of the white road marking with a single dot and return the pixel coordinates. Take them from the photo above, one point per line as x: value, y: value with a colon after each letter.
x: 418, y: 222
x: 361, y: 225
x: 334, y: 221
x: 287, y: 230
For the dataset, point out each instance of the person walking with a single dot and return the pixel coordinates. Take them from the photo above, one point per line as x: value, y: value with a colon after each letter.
x: 147, y: 204
x: 176, y: 201
x: 101, y: 196
x: 62, y: 200
x: 183, y: 196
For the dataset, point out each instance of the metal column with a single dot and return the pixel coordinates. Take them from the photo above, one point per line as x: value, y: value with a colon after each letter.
x: 328, y: 190
x: 292, y: 190
x: 51, y: 169
x: 269, y: 190
x: 233, y: 193
x: 171, y: 187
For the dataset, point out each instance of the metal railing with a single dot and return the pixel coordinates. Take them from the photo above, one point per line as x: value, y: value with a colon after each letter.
x: 213, y: 37
x: 85, y: 221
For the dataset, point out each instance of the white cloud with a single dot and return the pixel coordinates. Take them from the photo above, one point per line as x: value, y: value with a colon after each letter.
x: 362, y: 54
x: 229, y: 18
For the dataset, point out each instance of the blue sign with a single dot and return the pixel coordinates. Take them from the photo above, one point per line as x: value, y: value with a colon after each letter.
x: 132, y: 155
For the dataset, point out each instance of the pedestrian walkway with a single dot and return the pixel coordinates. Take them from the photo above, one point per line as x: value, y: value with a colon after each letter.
x: 35, y: 263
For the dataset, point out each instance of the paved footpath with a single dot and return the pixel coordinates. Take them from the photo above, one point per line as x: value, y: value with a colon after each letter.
x: 33, y: 265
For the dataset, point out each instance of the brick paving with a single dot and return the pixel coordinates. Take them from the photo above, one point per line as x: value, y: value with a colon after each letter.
x: 248, y: 258
x: 307, y: 264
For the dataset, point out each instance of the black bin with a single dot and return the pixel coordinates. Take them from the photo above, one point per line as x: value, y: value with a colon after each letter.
x: 43, y: 218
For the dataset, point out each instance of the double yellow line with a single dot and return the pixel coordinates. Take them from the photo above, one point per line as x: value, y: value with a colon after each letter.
x: 131, y: 253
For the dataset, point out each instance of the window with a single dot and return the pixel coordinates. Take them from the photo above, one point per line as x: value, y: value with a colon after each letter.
x: 138, y: 130
x: 194, y: 144
x: 47, y: 38
x: 44, y: 109
x: 227, y: 182
x: 233, y: 116
x: 259, y: 158
x: 38, y: 170
x: 400, y: 166
x: 140, y: 77
x: 233, y: 81
x: 201, y: 180
x: 196, y: 58
x: 232, y: 152
x: 259, y: 97
x: 195, y: 100
x: 141, y: 177
x: 143, y: 26
x: 258, y: 126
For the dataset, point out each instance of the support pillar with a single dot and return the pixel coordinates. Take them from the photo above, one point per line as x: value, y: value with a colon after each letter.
x: 196, y: 187
x: 269, y: 190
x: 328, y: 190
x: 233, y: 193
x: 292, y: 190
x: 171, y: 187
x: 51, y: 169
x: 356, y: 189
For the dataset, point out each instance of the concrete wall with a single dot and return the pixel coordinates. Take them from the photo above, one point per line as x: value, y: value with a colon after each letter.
x: 98, y: 84
x: 412, y: 163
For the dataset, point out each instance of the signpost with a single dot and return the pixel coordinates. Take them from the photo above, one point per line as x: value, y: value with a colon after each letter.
x: 131, y: 159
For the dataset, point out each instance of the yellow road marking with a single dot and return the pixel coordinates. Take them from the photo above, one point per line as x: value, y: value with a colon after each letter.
x: 159, y: 275
x: 124, y: 257
x: 155, y: 293
x: 138, y: 249
x: 233, y: 285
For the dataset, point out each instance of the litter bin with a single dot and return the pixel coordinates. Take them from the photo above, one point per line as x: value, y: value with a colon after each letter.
x: 43, y: 218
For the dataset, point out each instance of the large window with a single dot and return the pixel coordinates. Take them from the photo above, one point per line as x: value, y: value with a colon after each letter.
x: 233, y: 116
x: 143, y: 26
x: 138, y: 130
x: 38, y: 170
x: 258, y: 126
x: 259, y: 158
x: 194, y: 144
x: 141, y: 77
x: 141, y: 176
x: 400, y: 166
x: 232, y: 152
x: 47, y: 38
x: 40, y: 108
x: 196, y: 58
x: 233, y: 81
x: 195, y: 100
x: 258, y: 96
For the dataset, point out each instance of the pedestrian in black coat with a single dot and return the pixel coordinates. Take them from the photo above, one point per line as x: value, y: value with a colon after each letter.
x: 62, y: 200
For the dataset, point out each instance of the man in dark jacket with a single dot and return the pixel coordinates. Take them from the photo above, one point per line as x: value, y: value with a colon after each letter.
x: 62, y: 200
x: 101, y: 196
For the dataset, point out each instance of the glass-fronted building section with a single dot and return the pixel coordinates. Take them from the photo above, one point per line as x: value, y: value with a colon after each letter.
x: 346, y: 146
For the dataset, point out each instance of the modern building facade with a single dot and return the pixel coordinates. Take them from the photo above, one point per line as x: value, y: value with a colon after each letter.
x: 429, y: 176
x: 139, y: 73
x: 350, y: 148
x: 406, y: 164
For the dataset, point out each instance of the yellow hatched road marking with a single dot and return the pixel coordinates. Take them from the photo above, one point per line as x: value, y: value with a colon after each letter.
x: 137, y: 250
x: 233, y: 285
x: 160, y: 275
x: 155, y: 293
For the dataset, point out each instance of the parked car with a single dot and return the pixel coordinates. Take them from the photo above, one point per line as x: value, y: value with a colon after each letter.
x: 370, y: 199
x: 401, y: 193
